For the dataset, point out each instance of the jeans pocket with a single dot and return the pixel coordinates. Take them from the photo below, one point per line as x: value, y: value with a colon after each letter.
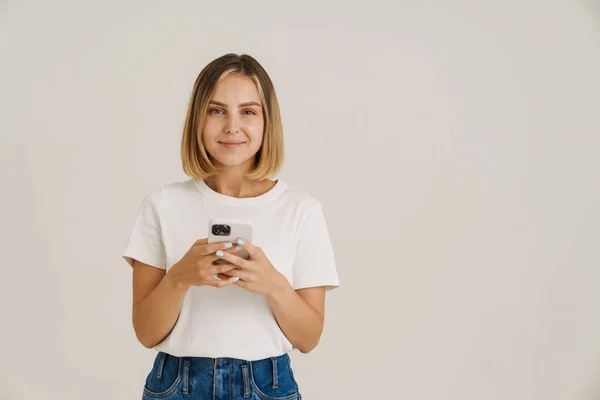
x: 165, y: 376
x: 273, y: 379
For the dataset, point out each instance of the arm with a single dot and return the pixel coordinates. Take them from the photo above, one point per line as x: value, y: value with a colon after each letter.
x: 300, y: 314
x: 157, y: 300
x: 158, y: 297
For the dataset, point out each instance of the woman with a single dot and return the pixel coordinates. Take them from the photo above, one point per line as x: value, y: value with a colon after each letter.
x: 225, y: 331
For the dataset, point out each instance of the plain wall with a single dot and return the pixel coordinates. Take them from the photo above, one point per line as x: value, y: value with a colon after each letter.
x: 453, y: 145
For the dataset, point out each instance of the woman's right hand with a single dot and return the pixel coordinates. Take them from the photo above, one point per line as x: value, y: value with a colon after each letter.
x: 196, y: 267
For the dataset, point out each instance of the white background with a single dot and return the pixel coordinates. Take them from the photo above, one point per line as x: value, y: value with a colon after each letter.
x: 453, y: 145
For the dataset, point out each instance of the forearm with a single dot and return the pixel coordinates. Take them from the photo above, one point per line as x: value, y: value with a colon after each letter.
x: 155, y: 316
x: 301, y: 324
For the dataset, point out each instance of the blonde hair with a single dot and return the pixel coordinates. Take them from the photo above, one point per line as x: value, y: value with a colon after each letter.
x: 269, y: 158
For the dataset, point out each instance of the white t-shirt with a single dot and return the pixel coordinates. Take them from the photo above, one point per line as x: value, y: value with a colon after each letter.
x: 287, y: 224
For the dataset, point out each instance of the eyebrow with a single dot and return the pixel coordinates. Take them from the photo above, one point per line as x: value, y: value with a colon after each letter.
x: 246, y: 104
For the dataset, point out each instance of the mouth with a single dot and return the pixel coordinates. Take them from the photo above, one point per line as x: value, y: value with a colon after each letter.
x: 231, y: 144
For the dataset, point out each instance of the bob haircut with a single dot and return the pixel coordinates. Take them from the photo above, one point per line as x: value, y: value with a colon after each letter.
x: 269, y: 158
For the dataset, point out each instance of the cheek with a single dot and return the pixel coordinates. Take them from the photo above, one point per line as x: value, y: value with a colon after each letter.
x: 210, y: 131
x: 211, y: 127
x: 255, y: 131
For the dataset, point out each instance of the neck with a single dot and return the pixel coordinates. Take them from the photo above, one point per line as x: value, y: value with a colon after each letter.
x: 232, y: 182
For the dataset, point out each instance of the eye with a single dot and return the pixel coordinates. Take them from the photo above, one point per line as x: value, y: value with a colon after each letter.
x: 215, y: 111
x: 249, y: 111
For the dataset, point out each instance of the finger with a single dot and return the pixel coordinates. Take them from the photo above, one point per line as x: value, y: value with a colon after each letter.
x: 216, y: 258
x: 240, y: 273
x: 232, y: 249
x: 242, y: 284
x: 229, y: 250
x: 223, y: 277
x: 222, y: 268
x: 227, y: 282
x: 200, y: 242
x: 252, y: 250
x: 235, y: 260
x: 209, y: 248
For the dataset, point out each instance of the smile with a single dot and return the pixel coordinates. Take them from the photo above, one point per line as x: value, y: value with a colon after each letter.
x: 231, y: 145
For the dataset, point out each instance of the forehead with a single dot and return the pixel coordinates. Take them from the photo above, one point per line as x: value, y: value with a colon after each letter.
x: 236, y: 88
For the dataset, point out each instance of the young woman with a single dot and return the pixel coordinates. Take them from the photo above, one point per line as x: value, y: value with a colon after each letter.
x: 225, y: 331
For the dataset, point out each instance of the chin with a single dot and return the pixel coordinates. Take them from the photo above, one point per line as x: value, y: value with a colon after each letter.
x: 231, y: 161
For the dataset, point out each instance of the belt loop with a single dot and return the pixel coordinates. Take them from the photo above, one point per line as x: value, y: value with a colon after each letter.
x: 186, y: 371
x: 161, y: 365
x: 246, y: 381
x: 275, y: 378
x: 214, y: 374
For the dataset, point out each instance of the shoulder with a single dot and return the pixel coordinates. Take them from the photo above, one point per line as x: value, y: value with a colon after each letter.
x: 297, y: 196
x: 178, y: 189
x: 303, y: 201
x: 169, y: 192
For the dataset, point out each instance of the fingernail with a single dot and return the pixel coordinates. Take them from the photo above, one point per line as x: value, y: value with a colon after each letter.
x: 228, y: 245
x: 238, y: 247
x: 237, y: 278
x: 240, y: 241
x: 219, y: 253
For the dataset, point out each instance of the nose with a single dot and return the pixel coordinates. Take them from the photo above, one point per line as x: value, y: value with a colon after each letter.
x: 231, y: 125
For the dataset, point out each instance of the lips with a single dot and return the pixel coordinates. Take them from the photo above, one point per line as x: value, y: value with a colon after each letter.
x: 231, y: 145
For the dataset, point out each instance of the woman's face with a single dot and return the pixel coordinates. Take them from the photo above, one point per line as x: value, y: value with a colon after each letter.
x: 233, y: 126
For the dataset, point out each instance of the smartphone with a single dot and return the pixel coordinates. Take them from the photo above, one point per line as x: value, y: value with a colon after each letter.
x: 230, y: 230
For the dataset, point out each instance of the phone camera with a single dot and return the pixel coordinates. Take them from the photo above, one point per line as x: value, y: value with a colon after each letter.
x: 221, y: 230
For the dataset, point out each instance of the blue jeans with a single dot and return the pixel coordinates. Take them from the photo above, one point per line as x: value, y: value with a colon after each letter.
x: 202, y: 378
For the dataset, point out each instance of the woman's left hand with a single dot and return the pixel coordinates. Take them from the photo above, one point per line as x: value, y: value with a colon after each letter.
x: 256, y: 274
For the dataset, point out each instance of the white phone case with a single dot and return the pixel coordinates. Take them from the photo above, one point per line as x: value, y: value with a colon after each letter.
x: 240, y: 229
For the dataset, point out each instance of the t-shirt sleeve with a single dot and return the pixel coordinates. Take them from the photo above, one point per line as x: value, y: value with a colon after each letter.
x: 145, y: 242
x: 314, y: 263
